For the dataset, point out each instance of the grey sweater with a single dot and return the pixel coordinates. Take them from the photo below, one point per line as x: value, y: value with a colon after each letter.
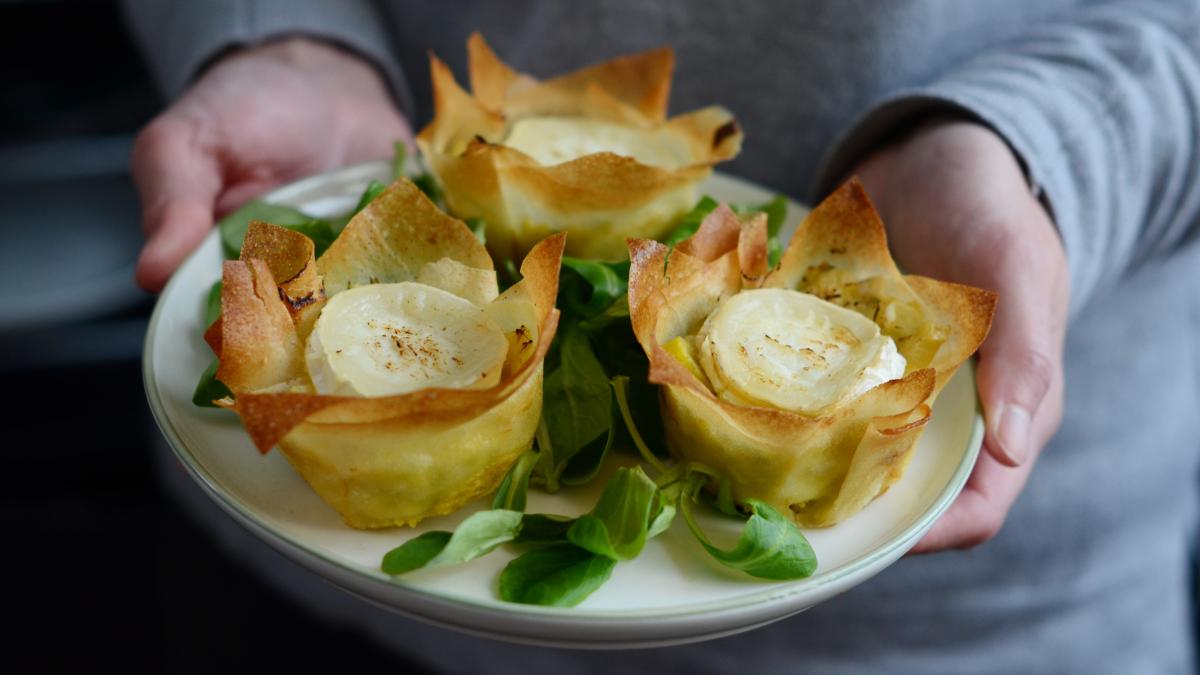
x: 1093, y: 571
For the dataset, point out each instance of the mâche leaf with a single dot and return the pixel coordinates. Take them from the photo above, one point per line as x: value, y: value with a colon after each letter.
x: 474, y: 537
x: 374, y: 188
x: 560, y: 575
x: 209, y: 388
x: 599, y: 285
x: 414, y: 553
x: 233, y: 226
x: 618, y: 525
x: 586, y: 463
x: 513, y: 489
x: 776, y: 211
x: 478, y: 535
x: 541, y: 528
x: 690, y: 222
x: 478, y: 228
x: 430, y: 187
x: 620, y: 387
x: 724, y: 499
x: 770, y: 546
x: 663, y: 519
x: 576, y: 406
x: 212, y: 306
x: 320, y: 231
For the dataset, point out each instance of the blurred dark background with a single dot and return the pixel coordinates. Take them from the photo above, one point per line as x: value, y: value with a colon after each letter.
x: 111, y: 573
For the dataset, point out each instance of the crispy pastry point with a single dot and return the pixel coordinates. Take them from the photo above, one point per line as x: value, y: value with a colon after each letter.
x: 590, y: 152
x: 822, y: 467
x: 387, y: 460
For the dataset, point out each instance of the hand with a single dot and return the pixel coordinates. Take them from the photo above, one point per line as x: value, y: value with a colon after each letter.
x: 958, y: 207
x: 254, y: 119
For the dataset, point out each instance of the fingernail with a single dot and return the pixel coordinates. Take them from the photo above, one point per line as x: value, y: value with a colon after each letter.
x: 1012, y: 432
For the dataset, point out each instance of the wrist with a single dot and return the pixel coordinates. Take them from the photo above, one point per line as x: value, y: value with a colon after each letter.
x: 314, y: 58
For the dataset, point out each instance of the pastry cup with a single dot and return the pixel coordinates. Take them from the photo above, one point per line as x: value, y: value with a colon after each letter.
x: 390, y: 460
x: 599, y: 198
x: 825, y: 468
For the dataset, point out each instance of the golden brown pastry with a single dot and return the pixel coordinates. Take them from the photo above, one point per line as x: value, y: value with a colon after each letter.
x: 807, y: 385
x: 389, y: 372
x: 590, y: 152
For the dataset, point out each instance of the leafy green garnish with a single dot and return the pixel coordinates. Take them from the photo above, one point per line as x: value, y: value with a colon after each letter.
x: 414, y: 553
x: 618, y: 525
x: 585, y: 464
x: 374, y: 188
x: 475, y: 536
x: 690, y: 222
x: 541, y: 528
x: 430, y: 187
x: 770, y: 546
x: 233, y: 226
x: 209, y: 388
x: 478, y: 228
x: 212, y: 306
x: 619, y: 386
x: 576, y: 405
x: 512, y: 491
x: 602, y: 285
x: 724, y: 499
x: 560, y: 575
x: 776, y: 211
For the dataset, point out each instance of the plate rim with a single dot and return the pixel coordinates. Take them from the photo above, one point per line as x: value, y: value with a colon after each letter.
x: 287, y: 544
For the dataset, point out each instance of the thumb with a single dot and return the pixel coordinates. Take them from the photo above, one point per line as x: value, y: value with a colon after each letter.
x: 1013, y: 382
x: 178, y: 178
x: 1020, y: 361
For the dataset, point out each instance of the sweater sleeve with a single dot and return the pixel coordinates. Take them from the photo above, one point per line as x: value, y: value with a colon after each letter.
x: 179, y: 37
x: 1103, y: 109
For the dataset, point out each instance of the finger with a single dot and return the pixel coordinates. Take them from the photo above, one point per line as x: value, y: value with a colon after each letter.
x: 178, y: 177
x: 978, y: 513
x: 1022, y: 355
x: 235, y: 195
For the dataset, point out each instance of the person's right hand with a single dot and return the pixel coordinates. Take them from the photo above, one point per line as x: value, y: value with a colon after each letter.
x: 256, y: 118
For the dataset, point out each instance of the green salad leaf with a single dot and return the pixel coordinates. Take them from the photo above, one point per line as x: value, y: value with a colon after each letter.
x: 414, y: 553
x: 690, y: 222
x: 559, y: 575
x: 583, y: 467
x: 542, y: 528
x: 619, y: 523
x: 770, y: 546
x: 478, y: 228
x: 374, y: 188
x: 597, y: 286
x: 233, y: 226
x: 430, y: 187
x: 513, y: 489
x: 476, y: 536
x: 212, y: 306
x: 576, y: 407
x: 209, y: 388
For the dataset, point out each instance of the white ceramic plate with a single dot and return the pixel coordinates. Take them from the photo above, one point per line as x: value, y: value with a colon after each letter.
x: 671, y: 594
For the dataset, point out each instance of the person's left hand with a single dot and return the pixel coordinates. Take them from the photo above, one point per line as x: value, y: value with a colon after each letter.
x: 958, y: 208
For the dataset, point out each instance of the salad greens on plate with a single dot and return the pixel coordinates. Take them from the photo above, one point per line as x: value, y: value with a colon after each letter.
x: 596, y: 399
